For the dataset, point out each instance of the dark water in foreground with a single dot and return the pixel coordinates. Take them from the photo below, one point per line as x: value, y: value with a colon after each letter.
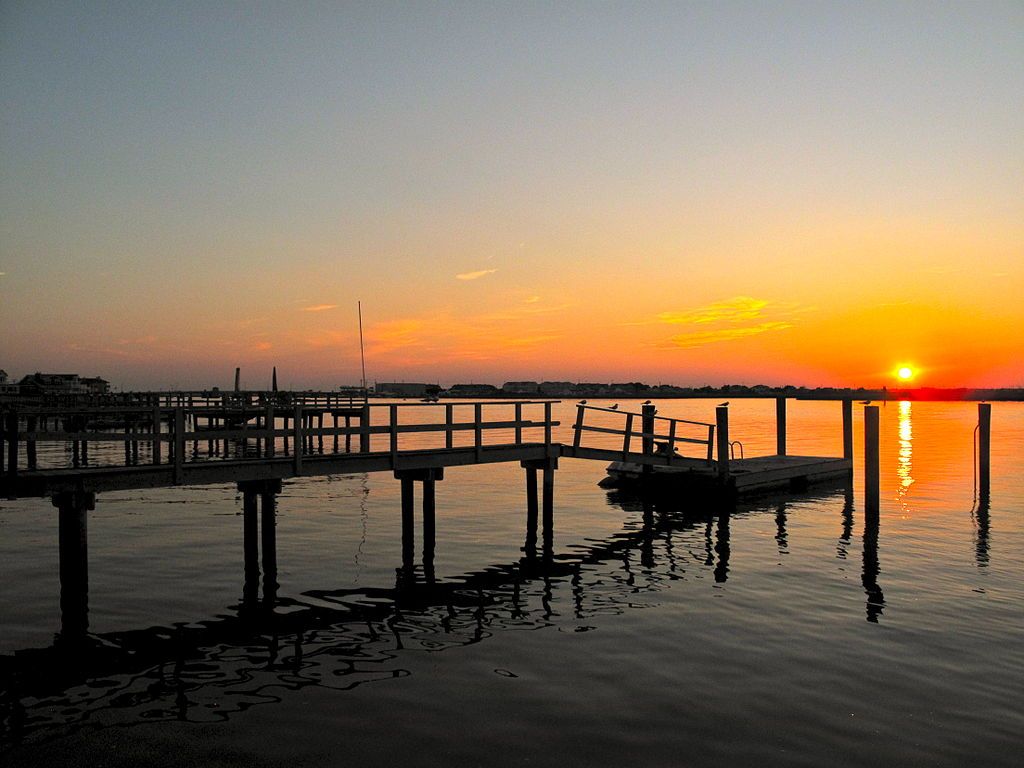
x: 781, y: 632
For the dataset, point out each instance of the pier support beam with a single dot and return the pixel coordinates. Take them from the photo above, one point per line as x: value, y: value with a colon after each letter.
x: 871, y: 461
x: 428, y: 477
x: 547, y: 468
x: 260, y: 495
x: 73, y: 507
x: 984, y: 450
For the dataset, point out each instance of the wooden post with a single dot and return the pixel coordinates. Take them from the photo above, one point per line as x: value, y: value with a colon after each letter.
x: 298, y: 439
x: 627, y: 436
x: 531, y: 511
x: 334, y: 418
x: 72, y: 507
x: 12, y: 442
x: 647, y: 429
x: 871, y: 461
x: 671, y: 440
x: 577, y: 428
x: 848, y: 430
x: 478, y: 433
x: 429, y: 523
x: 364, y: 429
x: 30, y: 441
x: 448, y: 419
x: 156, y: 435
x: 84, y: 425
x: 722, y: 427
x: 348, y: 435
x: 179, y: 445
x: 393, y: 432
x: 518, y: 418
x: 268, y: 525
x: 250, y: 535
x: 984, y: 450
x: 408, y: 502
x: 271, y: 437
x: 780, y: 426
x: 547, y: 429
x: 549, y: 507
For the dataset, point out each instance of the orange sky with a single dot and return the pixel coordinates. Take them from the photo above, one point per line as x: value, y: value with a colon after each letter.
x: 689, y: 195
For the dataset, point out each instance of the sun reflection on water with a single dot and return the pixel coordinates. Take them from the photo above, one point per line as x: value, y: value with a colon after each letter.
x: 906, y: 452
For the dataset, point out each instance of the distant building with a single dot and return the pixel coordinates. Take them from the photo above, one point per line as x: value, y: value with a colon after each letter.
x: 474, y: 390
x: 7, y: 387
x: 96, y: 385
x: 401, y: 388
x: 52, y: 384
x: 520, y: 387
x: 556, y: 387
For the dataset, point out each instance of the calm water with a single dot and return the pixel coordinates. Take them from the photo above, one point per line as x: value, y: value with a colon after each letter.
x: 778, y: 633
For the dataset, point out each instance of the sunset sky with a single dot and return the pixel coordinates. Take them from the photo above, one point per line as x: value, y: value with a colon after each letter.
x: 687, y: 193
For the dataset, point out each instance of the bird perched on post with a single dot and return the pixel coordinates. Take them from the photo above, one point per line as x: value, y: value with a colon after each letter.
x: 865, y: 402
x: 613, y: 407
x: 646, y: 402
x: 582, y: 402
x: 723, y: 404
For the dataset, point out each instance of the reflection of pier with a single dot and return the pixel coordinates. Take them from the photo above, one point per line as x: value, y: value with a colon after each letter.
x: 344, y: 638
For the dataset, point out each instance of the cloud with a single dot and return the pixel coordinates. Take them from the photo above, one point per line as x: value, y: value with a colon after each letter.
x: 733, y: 310
x: 700, y: 338
x: 475, y: 275
x: 319, y: 307
x: 531, y: 299
x: 263, y: 346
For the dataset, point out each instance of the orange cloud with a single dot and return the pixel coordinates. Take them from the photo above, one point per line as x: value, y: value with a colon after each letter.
x: 733, y: 310
x: 700, y: 338
x: 319, y: 307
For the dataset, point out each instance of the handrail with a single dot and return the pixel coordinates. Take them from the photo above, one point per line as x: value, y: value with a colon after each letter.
x: 648, y: 432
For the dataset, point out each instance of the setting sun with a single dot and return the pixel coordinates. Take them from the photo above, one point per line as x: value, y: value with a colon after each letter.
x: 905, y: 373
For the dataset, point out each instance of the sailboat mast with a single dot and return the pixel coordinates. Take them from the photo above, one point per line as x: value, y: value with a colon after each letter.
x: 362, y: 355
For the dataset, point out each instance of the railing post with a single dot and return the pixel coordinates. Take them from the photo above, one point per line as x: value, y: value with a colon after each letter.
x: 364, y: 429
x: 271, y: 437
x: 300, y: 443
x: 448, y: 417
x: 577, y: 428
x: 780, y: 426
x: 711, y: 442
x: 519, y: 418
x: 984, y: 450
x: 871, y: 461
x: 30, y: 441
x: 848, y: 430
x: 179, y: 444
x: 627, y: 436
x: 547, y: 429
x: 722, y: 425
x: 671, y: 440
x: 478, y: 433
x: 393, y: 432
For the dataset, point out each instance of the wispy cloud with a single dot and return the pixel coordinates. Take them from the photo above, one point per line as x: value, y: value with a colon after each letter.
x: 263, y: 346
x: 733, y: 310
x: 531, y: 299
x: 737, y: 318
x: 700, y: 338
x: 319, y: 307
x: 475, y: 275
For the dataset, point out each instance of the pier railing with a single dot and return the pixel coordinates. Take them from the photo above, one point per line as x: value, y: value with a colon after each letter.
x: 640, y: 433
x: 206, y: 431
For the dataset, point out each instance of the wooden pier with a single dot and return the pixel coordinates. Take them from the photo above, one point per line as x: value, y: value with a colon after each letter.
x: 70, y: 452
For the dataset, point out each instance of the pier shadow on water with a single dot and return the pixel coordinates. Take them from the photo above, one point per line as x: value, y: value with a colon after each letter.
x: 267, y: 646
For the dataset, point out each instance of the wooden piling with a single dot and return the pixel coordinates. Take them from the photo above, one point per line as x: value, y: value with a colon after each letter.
x: 250, y: 535
x: 73, y: 540
x: 549, y: 506
x: 30, y: 441
x: 179, y: 445
x: 871, y: 461
x: 408, y: 502
x: 531, y: 511
x: 722, y: 428
x: 364, y: 429
x: 156, y: 435
x: 449, y: 417
x: 268, y: 529
x: 848, y: 430
x: 297, y: 437
x: 429, y: 521
x: 780, y: 426
x: 984, y: 450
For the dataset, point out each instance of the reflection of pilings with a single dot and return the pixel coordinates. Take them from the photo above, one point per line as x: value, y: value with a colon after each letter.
x: 72, y: 507
x: 428, y: 477
x: 847, y: 532
x: 722, y: 547
x: 547, y: 467
x: 530, y: 549
x: 781, y: 539
x: 268, y: 529
x: 981, y: 519
x: 266, y: 492
x: 869, y: 577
